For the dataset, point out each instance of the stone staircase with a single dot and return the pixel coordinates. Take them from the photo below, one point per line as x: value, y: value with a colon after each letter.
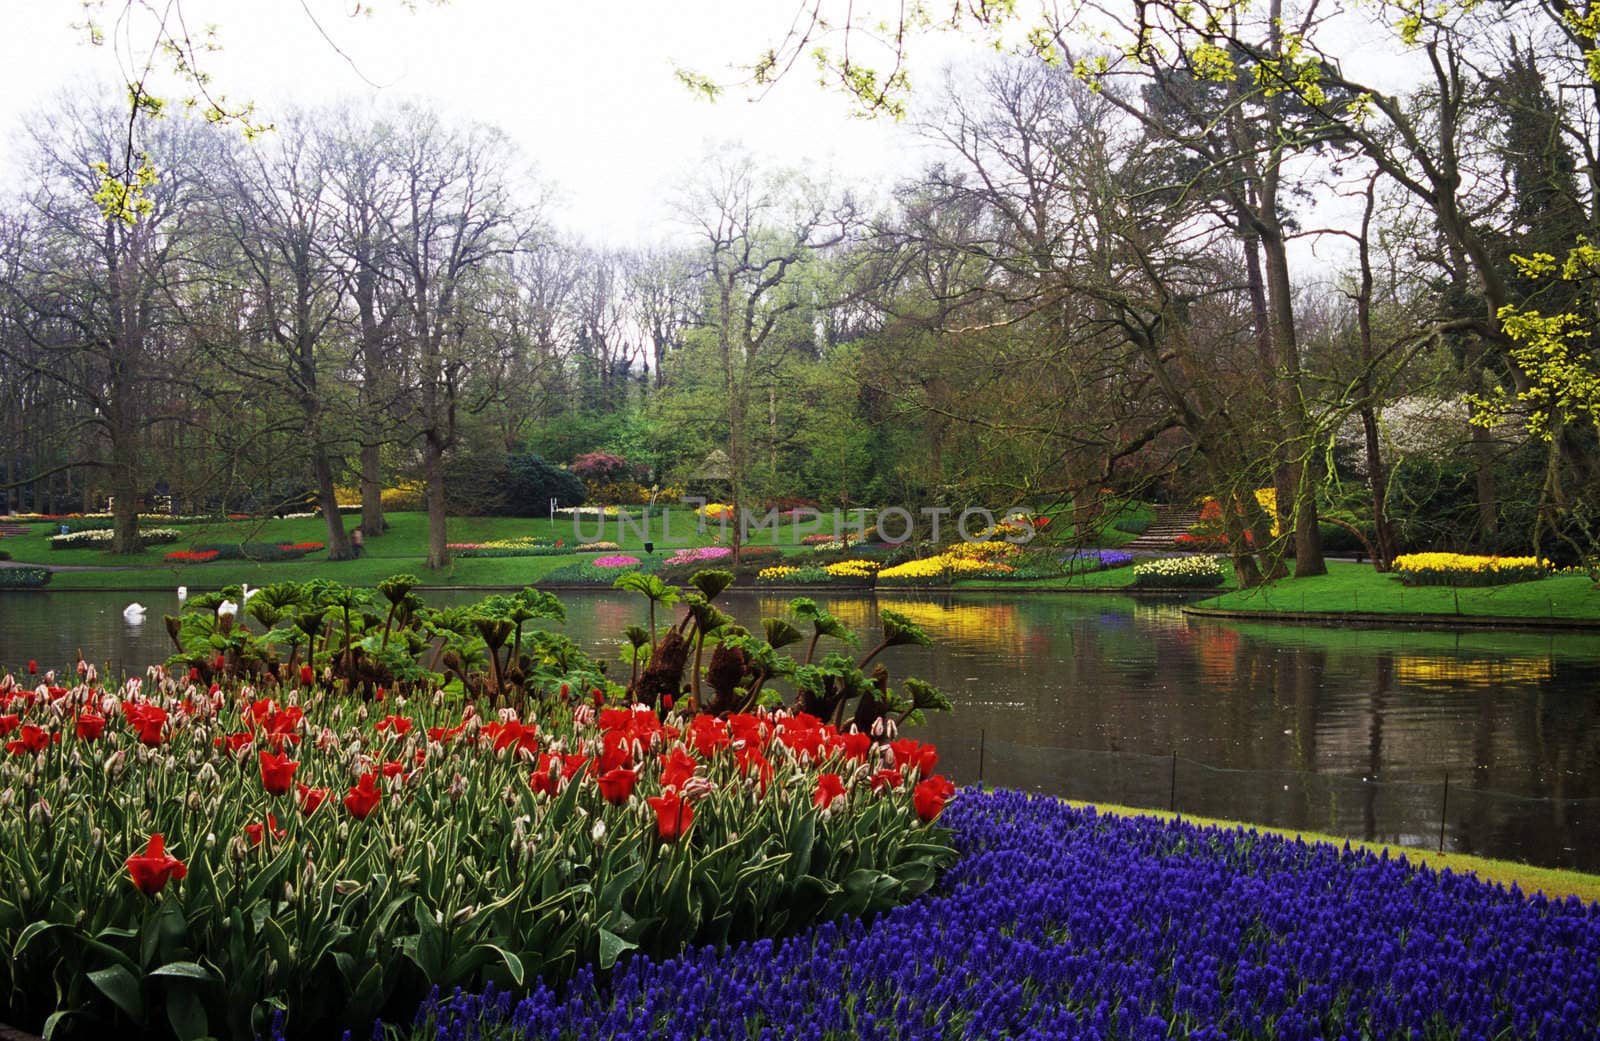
x: 1170, y: 522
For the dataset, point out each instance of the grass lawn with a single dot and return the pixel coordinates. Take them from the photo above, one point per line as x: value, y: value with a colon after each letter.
x: 403, y: 548
x: 1357, y: 588
x: 1552, y: 882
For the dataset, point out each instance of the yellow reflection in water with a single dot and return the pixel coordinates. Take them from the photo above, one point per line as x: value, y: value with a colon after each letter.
x: 1424, y: 670
x: 985, y: 626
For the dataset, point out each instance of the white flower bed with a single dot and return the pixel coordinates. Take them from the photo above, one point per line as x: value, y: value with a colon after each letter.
x: 1199, y: 570
x: 99, y: 538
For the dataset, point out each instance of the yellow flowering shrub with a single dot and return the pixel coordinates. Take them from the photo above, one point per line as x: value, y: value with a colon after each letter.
x: 1461, y: 569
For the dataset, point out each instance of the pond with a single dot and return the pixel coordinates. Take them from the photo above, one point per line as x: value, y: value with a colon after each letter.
x: 1374, y: 734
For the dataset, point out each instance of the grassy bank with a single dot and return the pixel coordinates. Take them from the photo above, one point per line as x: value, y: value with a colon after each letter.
x: 1552, y: 882
x: 1358, y: 589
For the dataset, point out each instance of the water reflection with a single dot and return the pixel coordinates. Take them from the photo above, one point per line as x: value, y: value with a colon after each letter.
x: 1107, y: 698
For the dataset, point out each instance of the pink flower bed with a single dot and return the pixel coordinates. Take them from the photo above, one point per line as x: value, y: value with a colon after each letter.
x: 703, y: 553
x: 615, y: 561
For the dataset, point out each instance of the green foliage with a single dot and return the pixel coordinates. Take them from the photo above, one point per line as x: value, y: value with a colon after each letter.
x: 24, y: 577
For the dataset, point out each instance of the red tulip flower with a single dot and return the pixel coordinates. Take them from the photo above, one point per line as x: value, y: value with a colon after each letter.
x: 399, y: 724
x: 30, y: 740
x: 597, y: 697
x: 277, y: 773
x: 677, y: 768
x: 829, y: 788
x: 908, y: 752
x: 887, y: 779
x: 9, y: 723
x: 90, y: 726
x: 543, y: 778
x: 308, y: 676
x: 617, y: 784
x: 363, y: 797
x: 255, y: 832
x: 33, y: 667
x: 155, y: 868
x: 673, y: 814
x: 930, y: 796
x: 309, y: 798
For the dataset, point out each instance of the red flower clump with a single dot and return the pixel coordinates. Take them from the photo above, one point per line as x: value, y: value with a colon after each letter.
x: 673, y: 814
x: 309, y: 798
x: 148, y: 720
x: 677, y: 768
x: 192, y: 556
x: 399, y: 724
x: 829, y: 788
x: 153, y: 869
x: 277, y: 773
x: 89, y: 726
x: 910, y: 752
x: 929, y: 796
x: 30, y: 740
x: 616, y: 785
x: 363, y: 797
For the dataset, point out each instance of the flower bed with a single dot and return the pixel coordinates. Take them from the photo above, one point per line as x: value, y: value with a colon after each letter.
x: 260, y: 552
x: 100, y: 538
x: 1058, y: 923
x: 340, y: 861
x: 619, y: 561
x: 1201, y: 572
x: 1458, y: 569
x: 699, y: 555
x: 23, y: 577
x: 525, y: 546
x: 192, y: 556
x: 1089, y: 560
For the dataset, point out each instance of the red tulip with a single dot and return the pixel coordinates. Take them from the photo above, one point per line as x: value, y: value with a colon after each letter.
x: 829, y: 788
x: 194, y: 674
x: 221, y: 663
x: 616, y: 785
x: 666, y: 702
x: 309, y: 798
x: 676, y: 768
x: 155, y: 868
x: 255, y: 832
x: 363, y: 797
x: 597, y: 697
x: 308, y: 676
x: 543, y: 779
x: 673, y: 814
x: 277, y: 773
x: 887, y: 779
x: 90, y: 725
x: 31, y: 740
x: 929, y: 796
x: 908, y: 752
x: 399, y: 724
x: 9, y: 723
x: 33, y: 667
x: 854, y: 746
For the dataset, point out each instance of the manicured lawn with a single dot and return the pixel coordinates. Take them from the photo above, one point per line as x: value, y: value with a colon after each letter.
x: 402, y: 548
x: 1350, y: 588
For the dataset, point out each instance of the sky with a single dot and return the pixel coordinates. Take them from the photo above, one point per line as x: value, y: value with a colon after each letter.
x: 585, y: 88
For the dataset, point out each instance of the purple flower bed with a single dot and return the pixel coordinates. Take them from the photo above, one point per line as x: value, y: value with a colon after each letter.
x: 1097, y: 559
x: 1057, y: 923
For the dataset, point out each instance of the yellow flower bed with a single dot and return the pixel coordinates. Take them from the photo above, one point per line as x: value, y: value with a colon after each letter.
x: 776, y: 572
x: 1460, y: 569
x: 944, y: 567
x: 982, y: 550
x: 852, y: 569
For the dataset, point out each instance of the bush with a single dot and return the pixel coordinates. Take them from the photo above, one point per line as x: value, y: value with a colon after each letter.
x: 1133, y: 525
x: 595, y: 468
x: 23, y: 577
x: 1200, y: 572
x: 405, y: 497
x: 621, y: 493
x: 532, y: 483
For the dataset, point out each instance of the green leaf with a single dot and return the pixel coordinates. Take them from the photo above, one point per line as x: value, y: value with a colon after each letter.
x: 118, y: 984
x: 187, y: 970
x: 31, y: 933
x: 512, y: 963
x: 186, y: 1014
x: 54, y: 1021
x: 611, y: 946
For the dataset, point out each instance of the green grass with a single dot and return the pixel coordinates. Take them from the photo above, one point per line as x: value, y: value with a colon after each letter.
x: 1357, y: 588
x: 1552, y: 882
x: 402, y: 548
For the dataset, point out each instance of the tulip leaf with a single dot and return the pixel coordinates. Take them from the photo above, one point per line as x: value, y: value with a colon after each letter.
x: 184, y: 970
x: 186, y: 1014
x: 612, y: 946
x: 118, y: 984
x: 512, y: 963
x: 31, y: 933
x: 53, y: 1022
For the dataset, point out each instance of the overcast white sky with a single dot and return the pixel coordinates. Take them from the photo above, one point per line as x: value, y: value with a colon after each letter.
x: 587, y: 89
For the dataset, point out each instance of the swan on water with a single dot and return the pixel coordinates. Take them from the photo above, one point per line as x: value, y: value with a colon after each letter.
x: 183, y: 593
x: 134, y: 612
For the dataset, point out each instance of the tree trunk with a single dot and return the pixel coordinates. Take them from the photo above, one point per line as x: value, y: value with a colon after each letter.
x: 339, y: 547
x: 433, y: 473
x: 125, y: 500
x: 1378, y: 482
x: 371, y: 491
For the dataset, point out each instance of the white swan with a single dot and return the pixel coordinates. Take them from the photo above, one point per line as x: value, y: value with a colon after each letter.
x: 183, y: 593
x: 134, y: 612
x: 248, y: 593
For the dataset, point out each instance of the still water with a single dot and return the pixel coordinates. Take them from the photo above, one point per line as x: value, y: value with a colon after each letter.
x: 1375, y: 734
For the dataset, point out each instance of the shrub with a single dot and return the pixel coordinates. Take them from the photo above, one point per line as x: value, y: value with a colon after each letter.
x: 622, y: 493
x: 1132, y: 525
x: 532, y: 483
x: 1456, y: 569
x: 23, y: 577
x: 1201, y: 572
x: 405, y: 497
x: 599, y: 468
